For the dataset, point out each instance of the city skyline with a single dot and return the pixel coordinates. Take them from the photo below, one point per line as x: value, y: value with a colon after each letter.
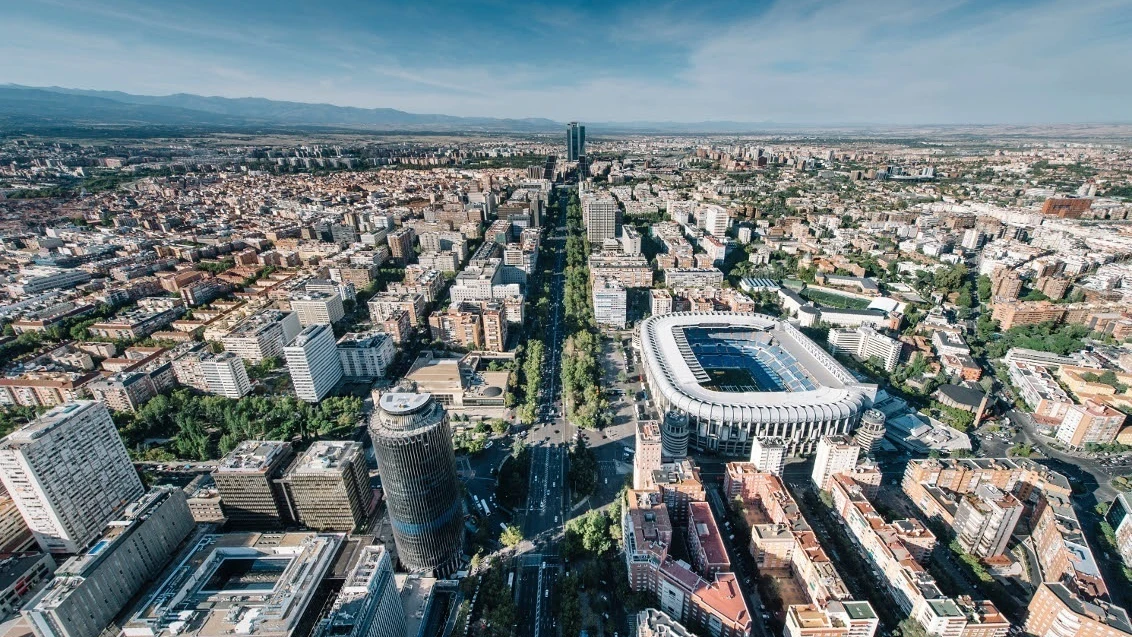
x: 845, y: 62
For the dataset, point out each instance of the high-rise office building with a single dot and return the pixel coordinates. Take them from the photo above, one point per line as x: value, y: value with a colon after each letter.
x: 69, y: 474
x: 91, y: 588
x: 312, y: 359
x: 328, y: 488
x: 225, y: 375
x: 601, y: 217
x: 413, y: 444
x: 248, y: 482
x: 575, y: 141
x: 368, y: 604
x: 835, y: 454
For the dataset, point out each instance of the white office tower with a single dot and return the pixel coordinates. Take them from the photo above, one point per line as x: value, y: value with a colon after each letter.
x: 715, y: 220
x: 835, y: 454
x: 365, y: 354
x: 871, y: 430
x: 368, y: 604
x: 769, y: 455
x: 610, y: 303
x: 312, y: 359
x: 91, y: 588
x: 225, y: 375
x: 318, y: 309
x: 674, y: 435
x: 69, y: 474
x: 600, y: 216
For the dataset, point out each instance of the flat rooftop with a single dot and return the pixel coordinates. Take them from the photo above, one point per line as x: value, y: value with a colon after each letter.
x: 797, y: 379
x: 327, y: 456
x: 253, y: 456
x: 237, y: 583
x: 48, y: 421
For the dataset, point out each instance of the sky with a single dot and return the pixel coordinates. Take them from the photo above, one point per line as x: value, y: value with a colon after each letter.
x: 795, y: 61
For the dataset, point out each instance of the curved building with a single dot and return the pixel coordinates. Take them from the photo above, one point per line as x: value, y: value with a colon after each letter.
x: 738, y: 376
x: 674, y: 434
x: 871, y: 430
x: 413, y: 445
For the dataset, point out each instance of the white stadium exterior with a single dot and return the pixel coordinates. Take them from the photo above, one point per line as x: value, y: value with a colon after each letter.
x: 800, y: 392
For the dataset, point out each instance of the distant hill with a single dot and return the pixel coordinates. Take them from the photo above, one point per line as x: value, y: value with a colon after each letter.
x: 54, y: 105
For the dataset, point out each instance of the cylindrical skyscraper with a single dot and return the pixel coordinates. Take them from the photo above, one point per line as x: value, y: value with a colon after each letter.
x: 674, y: 435
x: 871, y: 430
x: 413, y: 445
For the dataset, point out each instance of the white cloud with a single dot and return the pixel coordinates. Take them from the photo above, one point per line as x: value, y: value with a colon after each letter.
x: 800, y: 61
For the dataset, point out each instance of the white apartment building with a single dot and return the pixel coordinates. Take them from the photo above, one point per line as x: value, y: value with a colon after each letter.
x: 312, y: 359
x: 835, y: 454
x: 864, y: 342
x: 985, y: 520
x: 225, y: 375
x: 263, y: 335
x: 69, y: 474
x: 601, y: 217
x: 365, y: 355
x: 769, y: 455
x: 630, y: 240
x: 660, y: 301
x: 610, y: 303
x: 318, y: 309
x: 715, y: 219
x: 482, y: 283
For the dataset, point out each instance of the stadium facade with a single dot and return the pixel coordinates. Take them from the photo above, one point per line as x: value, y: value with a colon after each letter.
x: 741, y: 376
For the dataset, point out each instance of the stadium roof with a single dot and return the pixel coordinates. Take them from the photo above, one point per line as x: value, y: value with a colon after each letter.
x: 678, y: 375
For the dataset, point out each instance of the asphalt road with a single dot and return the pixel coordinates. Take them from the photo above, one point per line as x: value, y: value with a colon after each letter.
x: 547, y: 504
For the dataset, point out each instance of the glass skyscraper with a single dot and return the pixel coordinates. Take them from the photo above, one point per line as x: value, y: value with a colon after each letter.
x: 575, y: 141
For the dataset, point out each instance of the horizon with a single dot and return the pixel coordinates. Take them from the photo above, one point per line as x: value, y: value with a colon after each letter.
x: 843, y: 63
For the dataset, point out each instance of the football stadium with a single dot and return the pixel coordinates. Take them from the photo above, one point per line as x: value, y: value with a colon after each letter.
x: 742, y: 376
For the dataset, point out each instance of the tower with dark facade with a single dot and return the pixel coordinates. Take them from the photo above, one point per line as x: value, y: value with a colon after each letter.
x: 413, y: 444
x: 575, y: 141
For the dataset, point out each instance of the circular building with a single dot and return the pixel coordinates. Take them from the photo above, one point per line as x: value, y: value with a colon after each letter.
x: 741, y: 376
x: 413, y: 445
x: 674, y: 434
x: 871, y: 430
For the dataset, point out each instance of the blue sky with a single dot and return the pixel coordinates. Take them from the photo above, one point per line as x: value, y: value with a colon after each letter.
x: 797, y: 61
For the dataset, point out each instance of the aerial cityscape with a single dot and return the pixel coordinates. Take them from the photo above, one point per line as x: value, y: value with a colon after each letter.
x: 491, y: 340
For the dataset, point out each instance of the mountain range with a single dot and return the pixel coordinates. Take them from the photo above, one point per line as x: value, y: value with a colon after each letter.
x: 64, y: 106
x: 23, y: 106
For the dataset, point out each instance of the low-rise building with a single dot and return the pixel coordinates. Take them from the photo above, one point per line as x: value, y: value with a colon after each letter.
x: 208, y: 584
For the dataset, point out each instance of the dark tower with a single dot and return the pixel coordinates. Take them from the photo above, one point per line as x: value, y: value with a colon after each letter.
x: 575, y: 141
x: 413, y: 445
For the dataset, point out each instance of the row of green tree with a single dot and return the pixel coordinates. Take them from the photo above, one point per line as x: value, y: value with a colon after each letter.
x: 190, y: 426
x: 585, y: 402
